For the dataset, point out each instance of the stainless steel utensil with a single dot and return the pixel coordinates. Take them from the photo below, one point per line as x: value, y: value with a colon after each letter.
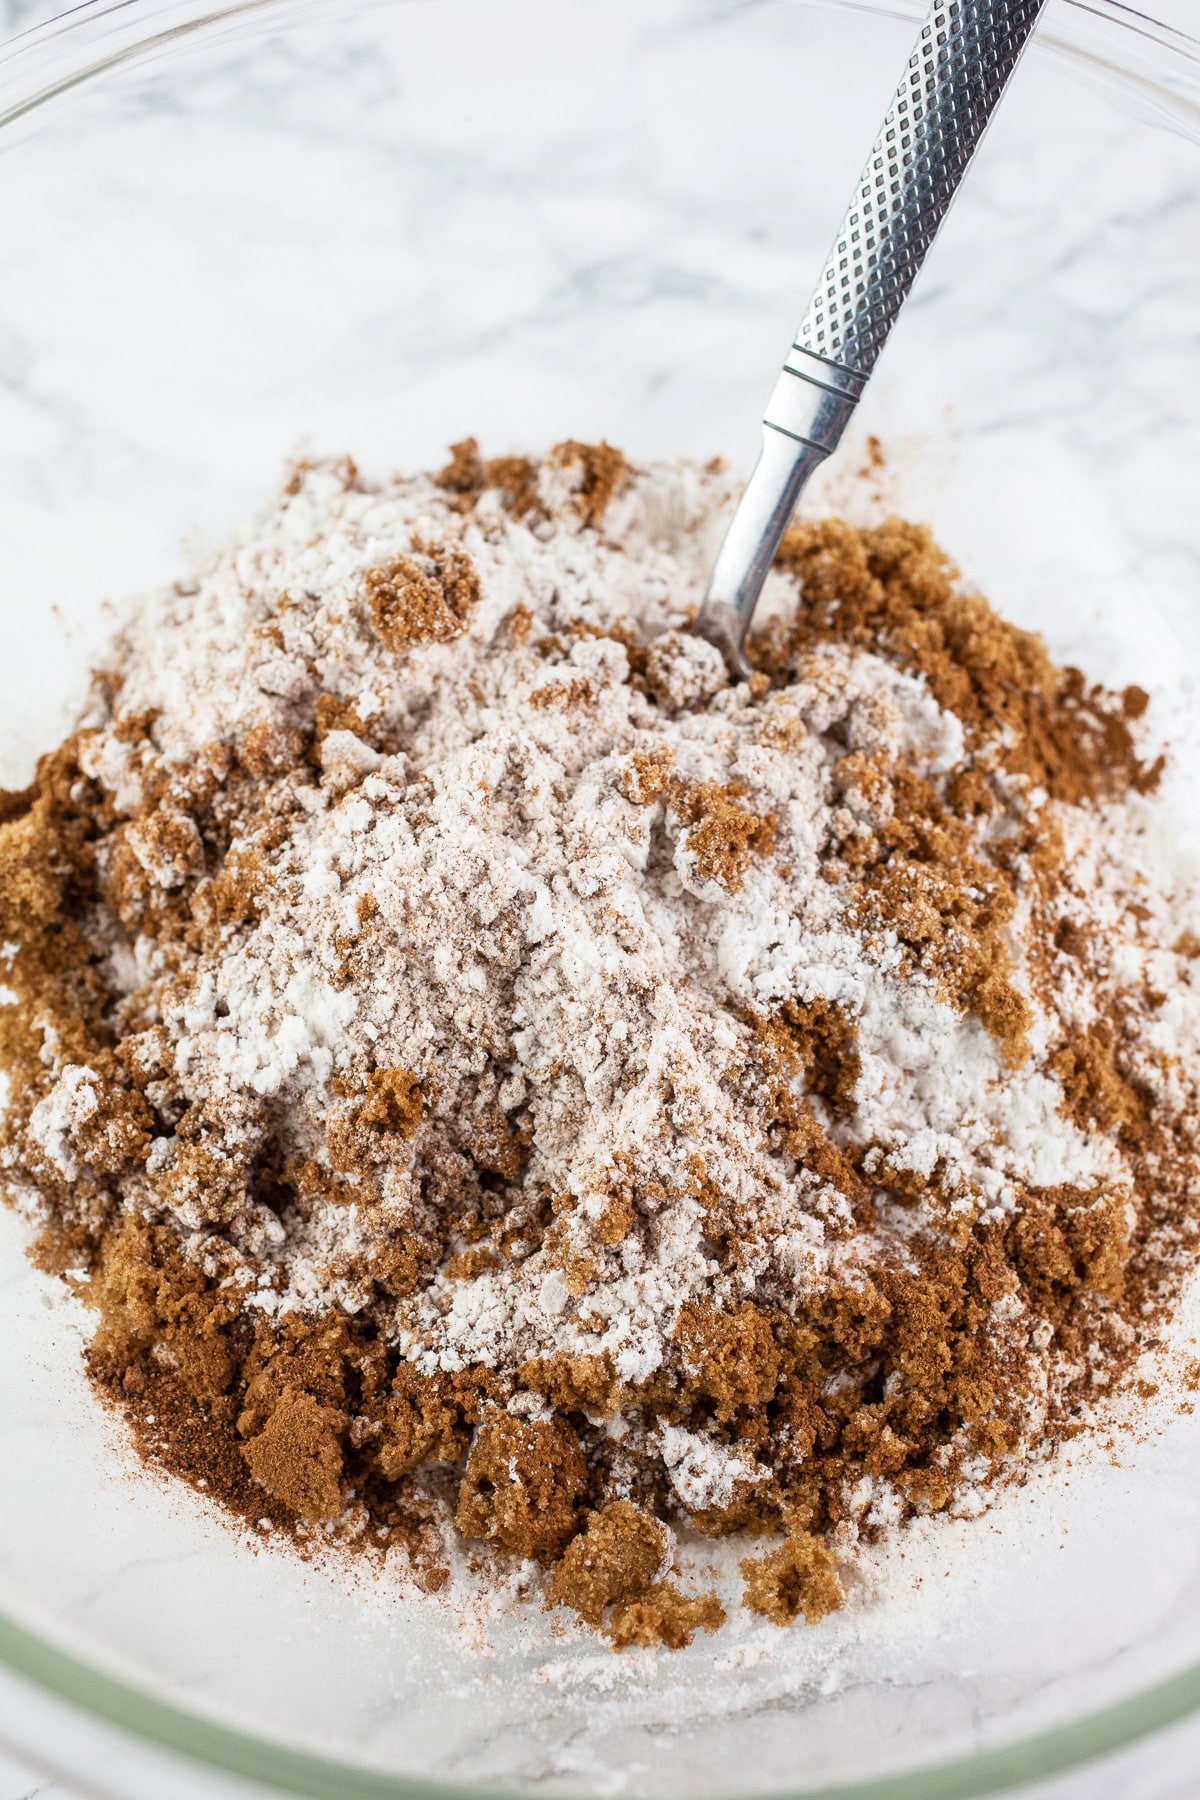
x: 959, y: 68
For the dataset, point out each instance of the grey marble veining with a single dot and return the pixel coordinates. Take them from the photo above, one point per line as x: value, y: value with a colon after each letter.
x: 330, y: 235
x: 1159, y: 1768
x: 17, y: 1783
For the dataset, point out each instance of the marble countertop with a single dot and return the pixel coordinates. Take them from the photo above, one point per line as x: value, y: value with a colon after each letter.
x: 1166, y: 1767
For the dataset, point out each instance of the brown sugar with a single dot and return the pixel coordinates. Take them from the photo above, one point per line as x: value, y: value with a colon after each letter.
x: 467, y: 475
x: 818, y: 1039
x: 663, y: 1615
x: 420, y: 602
x: 521, y: 1487
x: 647, y: 774
x: 920, y: 875
x: 892, y: 587
x: 617, y: 1557
x: 722, y: 834
x: 799, y: 1577
x: 730, y: 1357
x: 603, y: 472
x: 1097, y: 1093
x: 393, y: 1101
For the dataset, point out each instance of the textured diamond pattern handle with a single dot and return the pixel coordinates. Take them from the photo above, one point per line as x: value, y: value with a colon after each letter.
x: 958, y: 69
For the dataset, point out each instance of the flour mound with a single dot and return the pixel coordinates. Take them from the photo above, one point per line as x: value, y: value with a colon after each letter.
x: 491, y: 1067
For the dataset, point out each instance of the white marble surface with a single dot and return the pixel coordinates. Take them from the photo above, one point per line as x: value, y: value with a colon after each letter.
x: 17, y: 1783
x: 1165, y: 1768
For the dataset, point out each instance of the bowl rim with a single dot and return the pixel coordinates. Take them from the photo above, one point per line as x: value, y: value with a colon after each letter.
x: 1145, y: 56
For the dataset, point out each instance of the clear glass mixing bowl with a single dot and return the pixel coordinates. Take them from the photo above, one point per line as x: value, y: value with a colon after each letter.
x: 224, y: 229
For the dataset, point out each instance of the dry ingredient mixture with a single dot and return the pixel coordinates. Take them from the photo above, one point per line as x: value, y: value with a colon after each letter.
x: 501, y: 1084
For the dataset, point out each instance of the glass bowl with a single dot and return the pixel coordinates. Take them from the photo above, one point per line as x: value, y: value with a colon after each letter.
x: 226, y: 230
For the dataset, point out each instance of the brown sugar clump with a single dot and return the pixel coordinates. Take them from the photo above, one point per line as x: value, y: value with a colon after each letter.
x: 29, y: 888
x: 467, y: 475
x: 15, y: 803
x: 420, y: 1421
x: 1096, y: 1092
x: 335, y: 714
x: 393, y: 1102
x: 367, y: 1133
x: 721, y: 833
x: 616, y: 1558
x: 514, y: 478
x: 603, y: 471
x: 663, y: 1616
x: 647, y: 774
x: 422, y: 602
x: 522, y: 1486
x: 466, y: 472
x: 297, y: 1456
x: 578, y: 691
x: 573, y: 1383
x: 799, y: 1577
x: 267, y: 749
x: 148, y: 1296
x: 731, y: 1357
x: 1071, y: 1241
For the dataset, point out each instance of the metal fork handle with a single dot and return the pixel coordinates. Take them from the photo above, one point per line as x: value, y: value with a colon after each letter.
x: 960, y: 66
